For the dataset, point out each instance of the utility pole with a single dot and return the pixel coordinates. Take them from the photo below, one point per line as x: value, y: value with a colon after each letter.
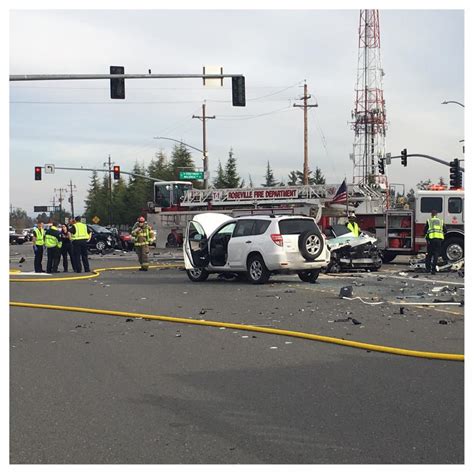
x: 60, y: 191
x: 305, y: 108
x: 204, y: 117
x: 109, y: 163
x: 71, y: 196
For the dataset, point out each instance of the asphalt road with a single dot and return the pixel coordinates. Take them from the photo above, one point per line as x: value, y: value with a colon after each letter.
x: 105, y: 389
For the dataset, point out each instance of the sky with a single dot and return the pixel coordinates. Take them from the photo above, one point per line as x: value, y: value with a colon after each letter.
x: 75, y: 123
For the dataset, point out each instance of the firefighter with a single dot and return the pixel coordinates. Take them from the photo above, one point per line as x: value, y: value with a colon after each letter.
x: 434, y: 234
x: 38, y: 247
x: 352, y: 225
x: 142, y: 235
x: 53, y: 245
x: 80, y: 236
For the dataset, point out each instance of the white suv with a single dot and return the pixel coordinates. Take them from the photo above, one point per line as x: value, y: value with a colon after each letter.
x: 254, y: 246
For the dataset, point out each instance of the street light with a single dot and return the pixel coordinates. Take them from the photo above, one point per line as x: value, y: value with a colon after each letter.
x: 452, y: 102
x: 180, y: 142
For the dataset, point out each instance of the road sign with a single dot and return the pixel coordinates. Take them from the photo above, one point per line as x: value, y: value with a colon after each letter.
x: 49, y: 169
x: 40, y: 209
x: 191, y: 175
x: 96, y: 219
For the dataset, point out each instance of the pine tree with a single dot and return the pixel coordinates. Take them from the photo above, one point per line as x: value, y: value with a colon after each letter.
x: 293, y: 178
x: 250, y: 181
x: 158, y: 168
x: 119, y: 193
x: 219, y: 180
x: 270, y: 180
x: 318, y: 177
x: 92, y: 203
x: 231, y: 177
x: 181, y: 160
x: 136, y: 194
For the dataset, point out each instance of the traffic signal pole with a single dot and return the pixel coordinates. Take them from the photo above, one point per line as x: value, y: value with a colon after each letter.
x: 429, y: 157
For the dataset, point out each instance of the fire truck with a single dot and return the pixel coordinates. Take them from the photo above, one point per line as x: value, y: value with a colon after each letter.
x: 399, y: 232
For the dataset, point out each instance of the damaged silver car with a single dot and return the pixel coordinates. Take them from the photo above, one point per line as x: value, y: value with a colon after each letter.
x: 352, y: 253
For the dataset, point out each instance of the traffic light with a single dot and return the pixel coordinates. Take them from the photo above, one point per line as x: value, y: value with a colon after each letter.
x: 455, y: 174
x: 116, y: 172
x: 238, y: 91
x: 404, y: 157
x: 381, y: 166
x: 117, y: 86
x: 37, y: 173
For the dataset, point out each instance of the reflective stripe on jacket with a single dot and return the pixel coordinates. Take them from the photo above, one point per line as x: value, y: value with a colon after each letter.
x: 354, y: 228
x: 435, y: 228
x: 138, y: 232
x: 39, y: 234
x: 81, y: 232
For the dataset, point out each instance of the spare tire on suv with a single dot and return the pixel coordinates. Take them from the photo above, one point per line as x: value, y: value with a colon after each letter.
x: 311, y: 244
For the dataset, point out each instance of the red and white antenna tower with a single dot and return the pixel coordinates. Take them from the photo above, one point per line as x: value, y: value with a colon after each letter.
x: 369, y: 115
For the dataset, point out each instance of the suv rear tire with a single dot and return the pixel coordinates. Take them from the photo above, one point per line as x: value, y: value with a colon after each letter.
x: 311, y: 244
x: 309, y: 276
x: 257, y: 271
x: 197, y: 274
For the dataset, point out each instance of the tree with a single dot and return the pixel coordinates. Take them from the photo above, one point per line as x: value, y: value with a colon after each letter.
x: 232, y: 178
x: 219, y: 180
x: 293, y: 178
x: 159, y: 168
x: 318, y: 177
x: 19, y: 219
x: 180, y: 160
x: 270, y: 180
x: 92, y: 203
x: 119, y: 194
x: 250, y: 181
x: 136, y: 194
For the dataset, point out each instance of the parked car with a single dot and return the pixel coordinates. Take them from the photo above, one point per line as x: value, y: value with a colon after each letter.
x: 102, y: 239
x: 15, y: 237
x: 255, y: 247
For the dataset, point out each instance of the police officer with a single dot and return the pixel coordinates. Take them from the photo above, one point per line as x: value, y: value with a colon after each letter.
x: 352, y: 225
x: 434, y: 233
x: 142, y: 235
x: 80, y: 236
x: 38, y: 246
x: 53, y: 245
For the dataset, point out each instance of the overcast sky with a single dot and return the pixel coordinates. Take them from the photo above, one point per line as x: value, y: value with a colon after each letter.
x: 75, y: 124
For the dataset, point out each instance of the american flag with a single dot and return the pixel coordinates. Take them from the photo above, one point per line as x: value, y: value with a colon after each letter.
x: 341, y: 194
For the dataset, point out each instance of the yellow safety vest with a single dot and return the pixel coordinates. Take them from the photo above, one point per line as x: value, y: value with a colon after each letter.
x: 354, y: 228
x: 51, y: 241
x: 39, y: 234
x: 435, y: 228
x: 81, y: 232
x: 147, y: 236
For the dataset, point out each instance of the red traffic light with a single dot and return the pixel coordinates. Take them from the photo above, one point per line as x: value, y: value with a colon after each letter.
x: 37, y: 173
x: 116, y: 172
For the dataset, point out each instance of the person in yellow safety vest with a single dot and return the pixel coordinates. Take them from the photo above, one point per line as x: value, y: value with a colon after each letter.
x: 80, y: 236
x: 53, y: 245
x: 352, y: 225
x: 434, y: 233
x: 142, y: 235
x: 38, y: 246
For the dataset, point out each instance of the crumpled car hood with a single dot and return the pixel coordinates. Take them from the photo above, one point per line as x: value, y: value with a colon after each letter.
x: 348, y: 240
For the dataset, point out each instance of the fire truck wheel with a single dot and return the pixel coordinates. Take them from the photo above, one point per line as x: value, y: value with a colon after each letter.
x: 197, y: 274
x: 309, y: 276
x: 453, y: 249
x: 388, y: 256
x: 311, y: 244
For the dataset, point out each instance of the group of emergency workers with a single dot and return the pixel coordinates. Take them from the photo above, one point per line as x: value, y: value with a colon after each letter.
x: 71, y: 239
x: 67, y: 240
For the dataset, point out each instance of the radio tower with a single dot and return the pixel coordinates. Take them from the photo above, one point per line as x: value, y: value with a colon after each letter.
x: 369, y: 115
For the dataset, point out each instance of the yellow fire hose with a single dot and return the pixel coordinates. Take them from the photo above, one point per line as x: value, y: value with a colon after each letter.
x: 244, y: 327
